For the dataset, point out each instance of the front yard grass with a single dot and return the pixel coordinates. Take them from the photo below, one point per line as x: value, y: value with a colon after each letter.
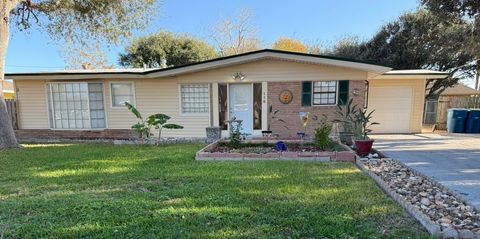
x: 106, y: 191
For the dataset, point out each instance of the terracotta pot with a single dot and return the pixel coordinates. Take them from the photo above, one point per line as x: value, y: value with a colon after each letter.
x: 363, y: 147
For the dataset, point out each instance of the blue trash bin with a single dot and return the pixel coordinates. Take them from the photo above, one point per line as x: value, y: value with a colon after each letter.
x: 456, y: 119
x: 473, y: 122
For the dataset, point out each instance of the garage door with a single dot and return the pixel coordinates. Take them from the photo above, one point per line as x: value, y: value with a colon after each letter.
x: 393, y: 107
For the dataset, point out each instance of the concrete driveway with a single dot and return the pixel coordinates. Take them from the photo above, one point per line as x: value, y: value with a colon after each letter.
x: 452, y: 160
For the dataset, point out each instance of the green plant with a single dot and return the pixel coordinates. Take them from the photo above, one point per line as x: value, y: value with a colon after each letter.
x: 236, y: 134
x: 141, y: 127
x: 363, y: 124
x: 346, y: 115
x: 159, y: 121
x: 144, y: 126
x: 321, y: 134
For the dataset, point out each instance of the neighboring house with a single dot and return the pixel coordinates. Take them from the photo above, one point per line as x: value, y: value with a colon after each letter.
x: 89, y: 103
x: 8, y: 91
x: 458, y: 96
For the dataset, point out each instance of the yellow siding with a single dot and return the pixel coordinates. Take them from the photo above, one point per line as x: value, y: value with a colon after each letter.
x: 418, y: 87
x: 162, y: 95
x: 156, y: 96
x: 32, y: 104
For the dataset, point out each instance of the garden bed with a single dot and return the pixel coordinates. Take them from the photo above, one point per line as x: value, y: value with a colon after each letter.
x: 265, y: 149
x: 442, y: 212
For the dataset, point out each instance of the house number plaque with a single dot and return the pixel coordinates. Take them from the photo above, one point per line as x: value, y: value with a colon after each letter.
x: 285, y: 97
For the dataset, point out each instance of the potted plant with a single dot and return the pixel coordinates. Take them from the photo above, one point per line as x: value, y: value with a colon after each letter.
x: 346, y: 116
x: 363, y: 144
x: 272, y: 116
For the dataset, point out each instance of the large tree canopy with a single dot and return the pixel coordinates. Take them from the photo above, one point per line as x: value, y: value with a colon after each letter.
x: 417, y: 40
x: 459, y: 10
x: 78, y: 21
x: 289, y: 44
x: 175, y: 49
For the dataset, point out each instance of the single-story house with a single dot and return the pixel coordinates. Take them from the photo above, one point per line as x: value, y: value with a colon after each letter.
x: 457, y: 96
x: 89, y: 103
x: 8, y: 92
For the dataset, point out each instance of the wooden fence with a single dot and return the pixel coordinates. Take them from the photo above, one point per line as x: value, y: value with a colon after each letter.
x: 12, y: 111
x: 448, y: 102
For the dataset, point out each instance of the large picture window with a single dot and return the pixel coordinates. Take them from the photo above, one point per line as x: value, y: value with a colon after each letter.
x: 325, y: 92
x: 76, y: 105
x: 194, y: 98
x: 121, y: 93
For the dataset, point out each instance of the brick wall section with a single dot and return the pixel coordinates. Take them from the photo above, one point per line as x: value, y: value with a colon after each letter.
x: 289, y: 112
x: 31, y: 134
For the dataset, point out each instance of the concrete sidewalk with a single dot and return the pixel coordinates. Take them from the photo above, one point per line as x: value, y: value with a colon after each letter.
x: 452, y: 160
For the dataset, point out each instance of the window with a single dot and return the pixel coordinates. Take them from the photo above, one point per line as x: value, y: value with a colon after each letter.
x: 325, y: 93
x: 194, y: 98
x: 121, y: 93
x: 76, y: 105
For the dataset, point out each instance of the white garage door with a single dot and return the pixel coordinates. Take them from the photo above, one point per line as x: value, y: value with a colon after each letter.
x: 393, y: 107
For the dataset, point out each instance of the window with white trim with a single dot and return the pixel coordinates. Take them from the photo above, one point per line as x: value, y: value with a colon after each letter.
x: 194, y: 98
x: 121, y: 93
x: 325, y: 92
x: 76, y: 105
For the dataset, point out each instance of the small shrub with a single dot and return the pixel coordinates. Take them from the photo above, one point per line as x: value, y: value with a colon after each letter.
x: 321, y: 134
x: 236, y: 135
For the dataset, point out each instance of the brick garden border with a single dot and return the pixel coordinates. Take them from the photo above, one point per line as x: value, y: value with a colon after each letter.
x: 325, y: 156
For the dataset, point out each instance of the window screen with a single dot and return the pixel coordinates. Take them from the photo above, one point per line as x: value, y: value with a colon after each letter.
x: 325, y: 93
x: 194, y: 98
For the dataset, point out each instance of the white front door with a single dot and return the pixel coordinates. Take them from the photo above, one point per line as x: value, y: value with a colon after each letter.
x: 241, y: 105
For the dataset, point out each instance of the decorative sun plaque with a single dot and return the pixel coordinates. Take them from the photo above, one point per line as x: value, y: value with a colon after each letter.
x: 285, y: 96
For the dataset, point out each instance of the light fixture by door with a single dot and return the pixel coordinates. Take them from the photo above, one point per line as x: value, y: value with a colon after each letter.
x: 238, y: 76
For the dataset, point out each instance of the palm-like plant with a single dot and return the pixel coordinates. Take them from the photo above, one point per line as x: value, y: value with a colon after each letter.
x: 144, y: 126
x: 141, y: 127
x: 363, y: 124
x: 159, y: 121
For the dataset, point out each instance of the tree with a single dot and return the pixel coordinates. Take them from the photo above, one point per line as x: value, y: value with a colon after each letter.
x: 80, y: 21
x: 236, y: 36
x: 417, y: 40
x: 289, y: 44
x: 458, y: 10
x: 349, y: 47
x: 175, y: 49
x: 85, y: 57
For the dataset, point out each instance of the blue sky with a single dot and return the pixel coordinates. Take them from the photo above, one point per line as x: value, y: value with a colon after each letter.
x: 311, y: 21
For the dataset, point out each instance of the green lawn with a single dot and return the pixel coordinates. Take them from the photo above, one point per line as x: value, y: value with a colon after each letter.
x: 106, y: 191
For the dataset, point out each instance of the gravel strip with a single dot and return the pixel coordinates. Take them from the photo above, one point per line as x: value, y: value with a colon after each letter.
x: 441, y: 206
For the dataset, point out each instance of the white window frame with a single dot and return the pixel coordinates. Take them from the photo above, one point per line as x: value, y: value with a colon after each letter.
x: 180, y: 109
x: 111, y: 94
x: 48, y: 94
x: 325, y: 105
